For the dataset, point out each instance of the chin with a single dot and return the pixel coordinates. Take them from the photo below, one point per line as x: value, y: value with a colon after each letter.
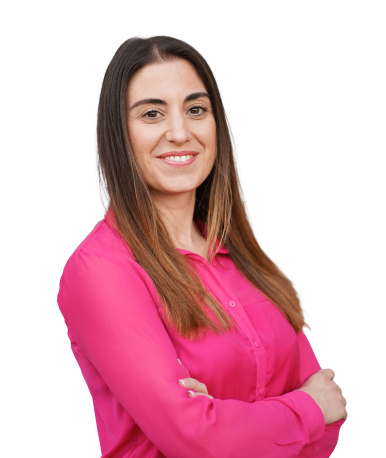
x: 177, y: 188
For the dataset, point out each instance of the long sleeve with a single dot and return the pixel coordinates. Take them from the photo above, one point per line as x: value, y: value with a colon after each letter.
x: 112, y: 317
x: 323, y: 447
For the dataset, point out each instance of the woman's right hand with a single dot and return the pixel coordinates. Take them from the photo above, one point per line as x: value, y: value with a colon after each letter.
x: 327, y: 394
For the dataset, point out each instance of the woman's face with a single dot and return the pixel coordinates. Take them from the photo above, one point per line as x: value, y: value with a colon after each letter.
x: 171, y: 126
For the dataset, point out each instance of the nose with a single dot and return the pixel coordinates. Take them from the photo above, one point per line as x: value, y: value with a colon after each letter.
x: 177, y: 130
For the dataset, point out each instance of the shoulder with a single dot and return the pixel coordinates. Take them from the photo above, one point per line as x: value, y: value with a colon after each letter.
x: 101, y: 250
x: 102, y: 266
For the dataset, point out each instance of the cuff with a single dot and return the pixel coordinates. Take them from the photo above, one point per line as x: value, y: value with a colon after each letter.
x: 310, y: 413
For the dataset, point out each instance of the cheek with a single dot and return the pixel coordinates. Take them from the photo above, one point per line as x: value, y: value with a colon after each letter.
x: 209, y: 140
x: 141, y: 144
x: 134, y: 137
x: 142, y: 139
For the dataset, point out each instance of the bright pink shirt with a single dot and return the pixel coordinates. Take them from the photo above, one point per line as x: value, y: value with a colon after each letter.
x: 129, y: 359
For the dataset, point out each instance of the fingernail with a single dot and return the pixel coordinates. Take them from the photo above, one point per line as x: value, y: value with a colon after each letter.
x: 182, y: 382
x: 190, y: 393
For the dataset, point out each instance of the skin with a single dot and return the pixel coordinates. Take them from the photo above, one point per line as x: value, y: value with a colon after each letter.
x: 327, y: 394
x: 196, y: 388
x: 155, y: 129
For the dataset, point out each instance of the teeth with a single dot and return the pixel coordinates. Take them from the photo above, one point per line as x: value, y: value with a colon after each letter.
x: 179, y: 158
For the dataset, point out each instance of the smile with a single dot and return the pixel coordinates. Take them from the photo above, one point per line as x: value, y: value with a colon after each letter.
x: 180, y: 160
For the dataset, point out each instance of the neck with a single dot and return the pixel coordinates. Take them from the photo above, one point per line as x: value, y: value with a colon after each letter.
x: 177, y: 211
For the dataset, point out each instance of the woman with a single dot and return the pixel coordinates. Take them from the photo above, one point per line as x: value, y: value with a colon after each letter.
x: 188, y: 336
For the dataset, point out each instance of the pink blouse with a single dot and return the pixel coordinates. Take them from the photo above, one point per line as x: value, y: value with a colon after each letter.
x: 132, y: 361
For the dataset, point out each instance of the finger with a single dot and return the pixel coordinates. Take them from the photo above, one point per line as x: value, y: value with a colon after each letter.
x: 193, y: 394
x: 200, y: 387
x: 195, y: 385
x: 330, y: 373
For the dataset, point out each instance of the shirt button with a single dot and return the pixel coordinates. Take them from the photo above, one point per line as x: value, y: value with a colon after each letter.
x: 257, y: 344
x: 232, y: 303
x: 261, y: 392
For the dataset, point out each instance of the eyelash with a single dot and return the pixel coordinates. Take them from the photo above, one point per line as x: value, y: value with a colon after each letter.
x: 153, y: 110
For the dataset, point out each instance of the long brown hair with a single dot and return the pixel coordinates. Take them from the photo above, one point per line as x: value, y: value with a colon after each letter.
x: 185, y: 301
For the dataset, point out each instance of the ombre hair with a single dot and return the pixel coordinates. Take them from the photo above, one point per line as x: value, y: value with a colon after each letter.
x: 186, y: 303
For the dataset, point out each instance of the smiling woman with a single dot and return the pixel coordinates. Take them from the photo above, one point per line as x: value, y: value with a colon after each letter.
x: 181, y: 115
x: 188, y: 336
x: 157, y: 208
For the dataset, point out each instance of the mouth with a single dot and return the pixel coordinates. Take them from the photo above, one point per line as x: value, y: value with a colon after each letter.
x: 178, y: 155
x: 183, y: 161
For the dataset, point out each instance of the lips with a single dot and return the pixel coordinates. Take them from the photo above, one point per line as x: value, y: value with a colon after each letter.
x: 178, y: 153
x: 177, y: 161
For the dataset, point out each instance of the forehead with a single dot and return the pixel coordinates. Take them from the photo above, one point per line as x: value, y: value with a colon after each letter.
x: 171, y: 79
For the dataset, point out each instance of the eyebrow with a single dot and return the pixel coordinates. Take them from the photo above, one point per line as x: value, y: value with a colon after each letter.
x: 188, y: 98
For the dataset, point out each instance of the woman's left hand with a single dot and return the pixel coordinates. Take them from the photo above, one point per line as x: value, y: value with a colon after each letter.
x: 200, y: 389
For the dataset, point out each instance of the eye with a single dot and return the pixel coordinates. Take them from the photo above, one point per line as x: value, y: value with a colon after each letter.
x: 196, y: 109
x: 152, y: 112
